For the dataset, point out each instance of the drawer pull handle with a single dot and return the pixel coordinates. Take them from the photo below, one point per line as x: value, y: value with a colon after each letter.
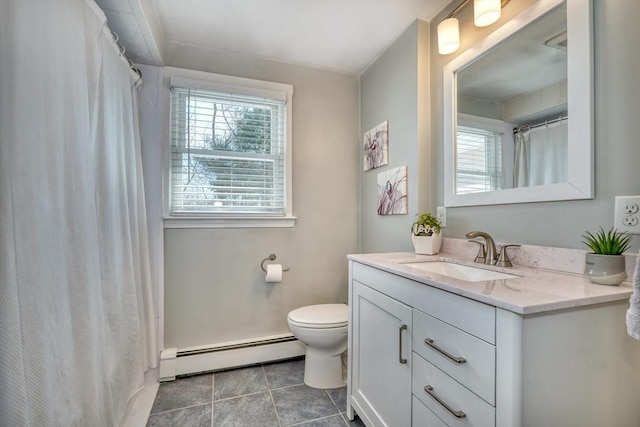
x: 401, y: 359
x: 430, y: 392
x: 458, y: 360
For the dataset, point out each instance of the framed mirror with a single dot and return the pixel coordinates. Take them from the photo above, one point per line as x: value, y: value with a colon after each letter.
x: 518, y: 111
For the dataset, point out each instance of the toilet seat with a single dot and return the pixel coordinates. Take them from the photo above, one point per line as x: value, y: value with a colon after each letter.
x: 321, y: 316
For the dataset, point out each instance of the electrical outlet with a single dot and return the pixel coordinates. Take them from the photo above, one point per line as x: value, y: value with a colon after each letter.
x: 631, y: 208
x: 441, y: 214
x: 627, y: 214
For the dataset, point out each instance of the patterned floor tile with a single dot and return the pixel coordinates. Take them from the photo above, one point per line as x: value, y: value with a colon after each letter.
x: 301, y: 403
x: 238, y: 382
x: 255, y: 410
x: 195, y: 416
x: 285, y: 374
x: 339, y: 397
x: 272, y: 395
x: 183, y: 392
x: 333, y: 421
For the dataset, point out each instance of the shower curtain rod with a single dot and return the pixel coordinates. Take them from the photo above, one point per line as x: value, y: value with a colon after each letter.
x: 122, y: 50
x: 537, y: 125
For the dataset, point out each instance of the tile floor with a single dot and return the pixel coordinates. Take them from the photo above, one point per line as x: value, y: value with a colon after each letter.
x: 262, y: 396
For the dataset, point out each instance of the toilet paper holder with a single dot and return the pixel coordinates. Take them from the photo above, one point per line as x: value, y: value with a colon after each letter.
x: 271, y: 257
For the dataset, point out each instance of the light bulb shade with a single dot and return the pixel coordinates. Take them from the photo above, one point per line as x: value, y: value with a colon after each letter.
x: 486, y: 12
x: 448, y: 36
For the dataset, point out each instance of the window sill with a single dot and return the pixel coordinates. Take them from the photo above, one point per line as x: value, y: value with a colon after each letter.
x: 230, y: 222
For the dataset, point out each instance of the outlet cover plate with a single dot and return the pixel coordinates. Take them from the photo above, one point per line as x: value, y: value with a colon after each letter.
x: 627, y: 214
x: 441, y: 214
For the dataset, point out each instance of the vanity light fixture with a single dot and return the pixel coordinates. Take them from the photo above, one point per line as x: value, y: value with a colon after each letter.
x: 448, y: 36
x: 485, y: 12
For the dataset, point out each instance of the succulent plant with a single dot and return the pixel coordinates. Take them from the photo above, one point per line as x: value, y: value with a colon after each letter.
x: 612, y: 242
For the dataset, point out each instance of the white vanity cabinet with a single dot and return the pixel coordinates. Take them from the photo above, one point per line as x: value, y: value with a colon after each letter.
x: 381, y: 385
x: 461, y: 362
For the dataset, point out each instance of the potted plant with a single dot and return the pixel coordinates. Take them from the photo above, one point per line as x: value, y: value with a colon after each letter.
x: 426, y: 234
x: 605, y: 265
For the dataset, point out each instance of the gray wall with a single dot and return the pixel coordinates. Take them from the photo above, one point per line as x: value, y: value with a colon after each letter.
x: 214, y: 288
x: 396, y: 88
x: 222, y: 296
x: 617, y: 140
x: 151, y: 109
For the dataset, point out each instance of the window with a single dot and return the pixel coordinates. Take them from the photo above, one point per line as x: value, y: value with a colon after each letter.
x: 230, y: 151
x: 479, y: 159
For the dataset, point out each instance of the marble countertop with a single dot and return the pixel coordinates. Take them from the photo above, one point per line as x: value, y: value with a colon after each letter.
x: 536, y: 290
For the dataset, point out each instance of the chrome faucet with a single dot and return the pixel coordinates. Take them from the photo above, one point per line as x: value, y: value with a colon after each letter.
x: 491, y: 255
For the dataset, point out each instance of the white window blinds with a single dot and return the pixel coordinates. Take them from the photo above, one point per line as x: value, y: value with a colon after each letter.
x: 228, y: 153
x: 479, y: 160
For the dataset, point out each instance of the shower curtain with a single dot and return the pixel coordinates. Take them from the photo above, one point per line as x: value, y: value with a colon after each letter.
x: 522, y: 142
x: 76, y: 304
x: 541, y: 155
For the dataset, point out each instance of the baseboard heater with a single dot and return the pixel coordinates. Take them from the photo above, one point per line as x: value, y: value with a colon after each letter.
x: 215, y: 357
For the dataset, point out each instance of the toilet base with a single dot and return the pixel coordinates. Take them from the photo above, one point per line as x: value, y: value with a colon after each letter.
x: 323, y: 370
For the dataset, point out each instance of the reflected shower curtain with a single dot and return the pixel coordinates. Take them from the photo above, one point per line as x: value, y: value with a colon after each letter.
x: 76, y: 310
x: 522, y: 141
x: 541, y: 155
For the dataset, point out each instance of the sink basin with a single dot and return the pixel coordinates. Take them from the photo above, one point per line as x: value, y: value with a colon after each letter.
x: 457, y: 271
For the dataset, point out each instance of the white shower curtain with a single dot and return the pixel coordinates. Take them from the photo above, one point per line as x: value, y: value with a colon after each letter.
x: 76, y: 303
x: 522, y: 142
x: 541, y: 155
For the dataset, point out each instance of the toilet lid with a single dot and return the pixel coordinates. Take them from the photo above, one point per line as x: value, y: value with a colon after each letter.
x: 321, y: 316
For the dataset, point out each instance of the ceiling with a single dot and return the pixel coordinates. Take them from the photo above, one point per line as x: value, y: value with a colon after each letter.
x: 526, y: 61
x: 337, y: 35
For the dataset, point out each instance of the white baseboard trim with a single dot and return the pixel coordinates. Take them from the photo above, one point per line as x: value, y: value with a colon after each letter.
x: 175, y: 362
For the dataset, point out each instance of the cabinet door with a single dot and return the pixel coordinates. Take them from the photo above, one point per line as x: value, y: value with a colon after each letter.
x: 381, y: 358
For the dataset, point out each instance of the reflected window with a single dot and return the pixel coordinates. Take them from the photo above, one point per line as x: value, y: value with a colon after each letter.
x: 479, y: 160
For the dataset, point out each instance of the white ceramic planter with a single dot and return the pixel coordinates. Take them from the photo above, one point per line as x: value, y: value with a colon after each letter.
x: 427, y: 245
x: 605, y: 269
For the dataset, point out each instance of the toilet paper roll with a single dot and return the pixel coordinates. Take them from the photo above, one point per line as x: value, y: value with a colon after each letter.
x: 274, y: 273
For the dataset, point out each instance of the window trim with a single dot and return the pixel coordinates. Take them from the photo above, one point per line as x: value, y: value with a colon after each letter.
x: 244, y: 86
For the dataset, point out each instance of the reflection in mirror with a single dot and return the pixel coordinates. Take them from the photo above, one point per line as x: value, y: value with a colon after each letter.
x: 512, y: 111
x: 518, y: 111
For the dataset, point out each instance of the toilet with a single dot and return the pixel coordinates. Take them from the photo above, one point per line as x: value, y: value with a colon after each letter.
x: 323, y: 330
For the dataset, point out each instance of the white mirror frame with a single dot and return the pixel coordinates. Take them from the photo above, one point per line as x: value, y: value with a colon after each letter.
x: 580, y: 182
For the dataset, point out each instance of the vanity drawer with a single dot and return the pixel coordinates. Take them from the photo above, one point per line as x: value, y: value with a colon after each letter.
x: 474, y: 317
x: 421, y: 416
x: 470, y: 409
x: 469, y: 360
